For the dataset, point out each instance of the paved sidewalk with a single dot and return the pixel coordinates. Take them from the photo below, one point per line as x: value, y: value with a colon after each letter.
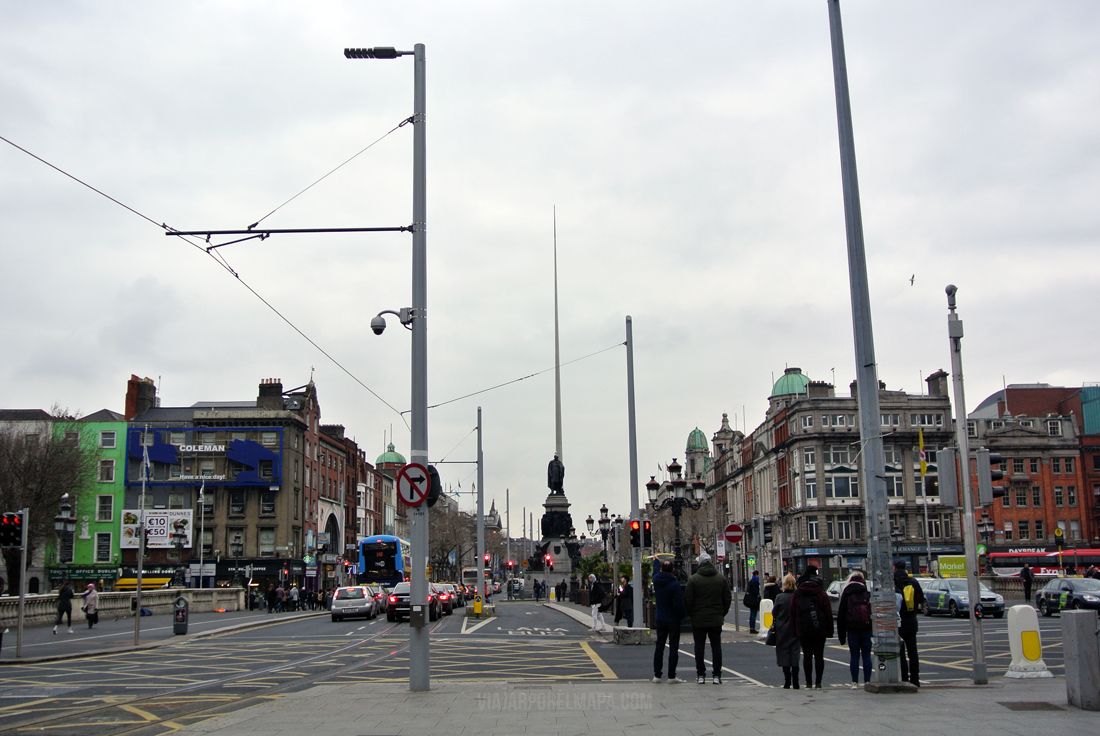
x: 620, y: 707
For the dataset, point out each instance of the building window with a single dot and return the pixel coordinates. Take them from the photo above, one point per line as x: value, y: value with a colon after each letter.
x: 267, y: 503
x: 267, y: 542
x: 1056, y: 465
x: 1074, y: 529
x: 892, y: 455
x: 1008, y: 531
x: 208, y: 503
x: 106, y: 471
x: 103, y: 547
x: 1039, y: 530
x: 808, y: 421
x: 935, y: 528
x: 175, y: 500
x: 811, y: 489
x: 236, y: 503
x: 946, y: 527
x: 207, y: 542
x: 891, y: 420
x: 1054, y: 428
x: 1024, y: 527
x: 206, y: 468
x: 895, y: 487
x: 997, y: 424
x: 1033, y: 465
x: 1036, y: 496
x: 296, y: 504
x: 107, y: 439
x: 1071, y: 495
x: 829, y: 527
x: 1069, y: 466
x: 1017, y: 466
x: 809, y: 457
x: 843, y: 527
x: 269, y: 439
x: 236, y: 542
x: 971, y: 428
x: 105, y: 508
x: 837, y: 454
x: 841, y: 486
x: 266, y: 469
x: 1059, y: 496
x: 926, y: 420
x: 208, y: 438
x: 1021, y: 498
x: 1096, y: 462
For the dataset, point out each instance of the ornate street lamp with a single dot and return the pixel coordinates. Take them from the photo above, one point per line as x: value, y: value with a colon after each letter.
x: 64, y: 524
x: 179, y: 538
x: 677, y: 501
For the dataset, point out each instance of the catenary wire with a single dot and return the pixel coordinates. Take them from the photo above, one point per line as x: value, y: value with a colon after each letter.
x: 223, y: 263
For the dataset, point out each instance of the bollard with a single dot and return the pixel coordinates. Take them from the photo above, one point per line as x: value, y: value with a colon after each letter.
x: 766, y: 608
x: 180, y: 616
x: 477, y: 604
x: 1024, y: 644
x: 1081, y: 641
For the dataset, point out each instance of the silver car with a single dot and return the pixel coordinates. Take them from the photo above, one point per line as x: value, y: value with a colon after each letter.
x: 353, y: 601
x: 950, y: 596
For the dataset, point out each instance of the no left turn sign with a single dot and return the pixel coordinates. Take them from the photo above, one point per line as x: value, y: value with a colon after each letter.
x: 413, y: 484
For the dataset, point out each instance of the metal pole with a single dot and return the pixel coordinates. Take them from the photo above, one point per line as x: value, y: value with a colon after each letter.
x: 141, y: 536
x: 632, y: 445
x: 22, y: 583
x: 507, y: 533
x: 419, y: 674
x: 736, y: 589
x: 202, y: 490
x: 970, y: 532
x: 873, y: 465
x: 480, y: 513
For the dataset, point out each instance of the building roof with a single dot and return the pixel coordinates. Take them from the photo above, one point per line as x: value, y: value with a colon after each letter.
x: 104, y: 415
x: 793, y: 381
x: 24, y: 415
x: 390, y: 456
x: 697, y: 440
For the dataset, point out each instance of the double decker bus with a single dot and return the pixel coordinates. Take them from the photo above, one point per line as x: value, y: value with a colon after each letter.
x: 1008, y: 564
x: 384, y: 560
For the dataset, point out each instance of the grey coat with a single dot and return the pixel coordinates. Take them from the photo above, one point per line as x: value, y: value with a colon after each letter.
x: 788, y: 647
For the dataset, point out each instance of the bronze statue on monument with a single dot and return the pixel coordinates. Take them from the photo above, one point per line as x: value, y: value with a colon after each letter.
x: 555, y: 476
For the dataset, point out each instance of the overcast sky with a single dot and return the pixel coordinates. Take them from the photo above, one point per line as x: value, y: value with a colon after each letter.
x: 690, y: 150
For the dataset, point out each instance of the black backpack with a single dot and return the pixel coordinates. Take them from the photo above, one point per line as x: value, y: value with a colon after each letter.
x: 859, y: 611
x: 811, y: 619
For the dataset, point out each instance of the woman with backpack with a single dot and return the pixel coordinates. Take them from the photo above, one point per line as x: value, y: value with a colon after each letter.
x: 812, y: 623
x: 787, y: 646
x: 853, y: 622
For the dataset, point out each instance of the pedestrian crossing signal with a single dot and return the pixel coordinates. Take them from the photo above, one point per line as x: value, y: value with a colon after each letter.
x: 11, y: 530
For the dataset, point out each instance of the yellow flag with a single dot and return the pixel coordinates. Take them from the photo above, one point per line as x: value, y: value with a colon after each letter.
x: 923, y: 457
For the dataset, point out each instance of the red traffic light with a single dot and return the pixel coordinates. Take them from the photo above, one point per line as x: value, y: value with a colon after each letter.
x: 509, y: 564
x: 635, y: 525
x: 488, y: 557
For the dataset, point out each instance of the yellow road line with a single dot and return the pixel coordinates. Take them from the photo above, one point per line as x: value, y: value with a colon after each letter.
x: 600, y: 664
x: 139, y: 712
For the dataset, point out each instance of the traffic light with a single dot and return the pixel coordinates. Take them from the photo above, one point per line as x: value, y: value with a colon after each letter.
x: 947, y: 480
x: 987, y: 474
x: 549, y: 563
x: 435, y: 487
x: 509, y: 566
x: 647, y: 536
x: 11, y: 530
x: 635, y: 533
x: 766, y: 529
x: 488, y: 558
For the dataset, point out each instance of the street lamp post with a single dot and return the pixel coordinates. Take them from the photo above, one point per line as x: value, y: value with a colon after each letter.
x: 677, y: 500
x: 179, y: 538
x: 419, y: 673
x: 65, y: 524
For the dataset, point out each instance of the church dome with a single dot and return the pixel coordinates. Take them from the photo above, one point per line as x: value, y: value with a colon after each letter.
x: 697, y: 440
x: 793, y: 381
x: 389, y: 457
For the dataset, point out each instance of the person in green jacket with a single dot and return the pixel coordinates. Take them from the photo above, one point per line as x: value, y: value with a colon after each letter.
x: 707, y: 599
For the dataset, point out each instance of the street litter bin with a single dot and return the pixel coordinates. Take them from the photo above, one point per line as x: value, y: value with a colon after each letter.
x: 179, y: 616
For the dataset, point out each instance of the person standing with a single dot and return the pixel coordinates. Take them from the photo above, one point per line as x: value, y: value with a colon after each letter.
x: 293, y: 597
x: 624, y: 602
x: 911, y: 599
x: 91, y: 605
x: 537, y: 590
x: 752, y: 600
x: 770, y: 589
x: 64, y: 606
x: 788, y: 648
x: 595, y: 600
x: 853, y: 623
x: 707, y: 600
x: 812, y: 623
x: 669, y: 599
x: 1029, y: 578
x: 269, y: 598
x: 280, y: 597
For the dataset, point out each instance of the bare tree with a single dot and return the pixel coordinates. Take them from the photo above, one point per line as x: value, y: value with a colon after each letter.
x: 450, y: 531
x: 36, y: 469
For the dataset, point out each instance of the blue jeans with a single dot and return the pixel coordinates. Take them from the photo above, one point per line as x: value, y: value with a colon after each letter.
x: 752, y: 618
x: 859, y: 646
x: 671, y: 634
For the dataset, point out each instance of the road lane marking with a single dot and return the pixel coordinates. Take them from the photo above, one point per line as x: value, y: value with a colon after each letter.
x: 735, y: 673
x: 472, y: 629
x: 606, y: 671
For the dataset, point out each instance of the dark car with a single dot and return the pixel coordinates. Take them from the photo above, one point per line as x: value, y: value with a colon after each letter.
x: 397, y: 606
x: 457, y: 594
x: 1062, y: 594
x: 446, y: 598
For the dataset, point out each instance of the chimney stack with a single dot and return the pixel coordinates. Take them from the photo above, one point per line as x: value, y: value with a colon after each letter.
x: 271, y: 394
x: 141, y: 396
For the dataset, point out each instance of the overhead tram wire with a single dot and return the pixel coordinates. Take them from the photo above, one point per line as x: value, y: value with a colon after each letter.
x: 220, y: 260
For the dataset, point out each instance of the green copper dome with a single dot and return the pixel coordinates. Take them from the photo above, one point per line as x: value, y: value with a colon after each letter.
x: 793, y: 381
x: 390, y: 457
x: 697, y: 440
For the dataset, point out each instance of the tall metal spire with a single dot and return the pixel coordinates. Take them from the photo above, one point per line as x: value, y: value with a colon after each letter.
x: 557, y: 348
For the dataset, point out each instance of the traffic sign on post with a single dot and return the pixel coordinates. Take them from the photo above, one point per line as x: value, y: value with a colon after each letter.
x: 413, y: 484
x: 733, y: 533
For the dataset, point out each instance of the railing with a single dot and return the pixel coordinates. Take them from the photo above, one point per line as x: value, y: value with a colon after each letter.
x: 40, y: 609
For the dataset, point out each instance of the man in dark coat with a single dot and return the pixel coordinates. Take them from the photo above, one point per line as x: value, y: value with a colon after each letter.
x: 64, y: 606
x: 624, y: 602
x: 910, y: 664
x: 669, y: 597
x: 596, y: 597
x: 707, y: 600
x: 752, y: 600
x: 1028, y: 577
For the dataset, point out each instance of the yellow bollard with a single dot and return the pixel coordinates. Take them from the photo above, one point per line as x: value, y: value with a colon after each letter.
x: 1024, y: 644
x: 766, y: 607
x: 477, y: 604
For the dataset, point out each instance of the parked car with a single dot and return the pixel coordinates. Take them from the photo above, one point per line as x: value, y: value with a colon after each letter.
x: 1061, y: 594
x: 397, y: 604
x: 951, y: 596
x: 379, y: 595
x: 835, y: 590
x: 446, y: 598
x: 457, y: 594
x: 352, y: 601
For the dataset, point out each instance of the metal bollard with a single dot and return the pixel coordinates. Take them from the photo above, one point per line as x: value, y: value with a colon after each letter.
x: 1024, y: 644
x: 180, y: 616
x: 1081, y: 641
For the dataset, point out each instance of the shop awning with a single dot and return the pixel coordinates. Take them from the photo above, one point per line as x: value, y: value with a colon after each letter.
x: 147, y: 583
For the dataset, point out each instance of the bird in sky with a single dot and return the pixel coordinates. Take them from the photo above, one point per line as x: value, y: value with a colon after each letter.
x: 912, y: 279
